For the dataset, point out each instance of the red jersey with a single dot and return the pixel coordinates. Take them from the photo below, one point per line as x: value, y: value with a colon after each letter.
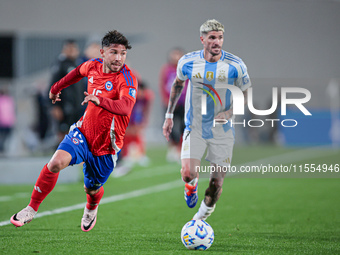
x: 104, y: 131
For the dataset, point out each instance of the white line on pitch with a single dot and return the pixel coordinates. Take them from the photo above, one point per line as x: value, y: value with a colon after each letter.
x: 115, y: 198
x: 28, y: 194
x: 283, y: 158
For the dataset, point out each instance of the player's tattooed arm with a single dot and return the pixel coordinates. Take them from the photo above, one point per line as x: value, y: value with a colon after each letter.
x: 175, y: 93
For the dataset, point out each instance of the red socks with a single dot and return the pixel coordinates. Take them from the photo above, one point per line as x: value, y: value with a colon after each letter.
x: 44, y: 185
x: 93, y: 201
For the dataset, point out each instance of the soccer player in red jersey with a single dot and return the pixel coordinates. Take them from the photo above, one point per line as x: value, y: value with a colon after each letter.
x: 97, y: 137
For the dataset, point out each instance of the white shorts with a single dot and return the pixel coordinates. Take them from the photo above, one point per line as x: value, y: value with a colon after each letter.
x: 219, y: 151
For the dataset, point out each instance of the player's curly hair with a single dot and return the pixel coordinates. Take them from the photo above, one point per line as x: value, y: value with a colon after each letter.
x: 211, y: 25
x: 115, y: 37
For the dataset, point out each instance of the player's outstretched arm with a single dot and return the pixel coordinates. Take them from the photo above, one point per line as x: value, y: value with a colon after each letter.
x: 72, y: 77
x: 175, y: 93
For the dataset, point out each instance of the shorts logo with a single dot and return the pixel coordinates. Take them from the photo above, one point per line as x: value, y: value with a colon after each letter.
x: 227, y: 160
x: 132, y: 92
x: 108, y: 86
x: 75, y: 140
x: 185, y: 147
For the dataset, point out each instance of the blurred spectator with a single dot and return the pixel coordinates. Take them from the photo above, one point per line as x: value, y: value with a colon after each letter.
x: 68, y: 110
x: 134, y: 145
x: 7, y: 117
x: 42, y: 126
x: 92, y: 50
x: 167, y: 77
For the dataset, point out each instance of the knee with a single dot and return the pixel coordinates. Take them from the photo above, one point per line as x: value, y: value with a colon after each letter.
x: 55, y: 165
x: 188, y: 174
x: 91, y: 192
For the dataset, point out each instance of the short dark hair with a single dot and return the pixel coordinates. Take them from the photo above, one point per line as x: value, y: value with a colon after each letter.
x: 69, y: 41
x: 115, y: 37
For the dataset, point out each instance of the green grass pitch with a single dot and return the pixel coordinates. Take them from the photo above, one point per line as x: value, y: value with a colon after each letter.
x: 255, y: 214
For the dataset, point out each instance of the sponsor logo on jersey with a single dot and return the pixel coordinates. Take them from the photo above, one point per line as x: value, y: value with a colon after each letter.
x: 132, y: 92
x: 108, y: 86
x: 91, y: 80
x: 198, y: 76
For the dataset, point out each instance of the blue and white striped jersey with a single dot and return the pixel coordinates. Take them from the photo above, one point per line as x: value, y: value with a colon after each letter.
x: 203, y: 75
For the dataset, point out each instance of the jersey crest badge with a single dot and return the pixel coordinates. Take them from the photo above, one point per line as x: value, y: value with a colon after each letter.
x: 132, y: 92
x: 209, y: 76
x: 108, y: 86
x: 221, y: 77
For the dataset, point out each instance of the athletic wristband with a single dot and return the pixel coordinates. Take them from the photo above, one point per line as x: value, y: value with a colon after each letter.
x: 169, y: 115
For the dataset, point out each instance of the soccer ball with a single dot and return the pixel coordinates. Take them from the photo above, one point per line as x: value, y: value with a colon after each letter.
x: 197, y: 235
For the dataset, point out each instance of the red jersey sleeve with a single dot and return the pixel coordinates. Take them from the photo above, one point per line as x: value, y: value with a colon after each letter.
x: 72, y: 77
x: 120, y: 107
x: 128, y: 84
x: 85, y: 67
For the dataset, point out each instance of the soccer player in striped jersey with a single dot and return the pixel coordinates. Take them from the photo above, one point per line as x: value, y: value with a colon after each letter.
x: 206, y: 101
x: 97, y: 138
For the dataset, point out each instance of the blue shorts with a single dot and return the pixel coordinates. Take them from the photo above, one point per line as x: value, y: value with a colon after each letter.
x: 97, y: 169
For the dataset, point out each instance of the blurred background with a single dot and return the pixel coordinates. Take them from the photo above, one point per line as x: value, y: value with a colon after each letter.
x: 286, y: 43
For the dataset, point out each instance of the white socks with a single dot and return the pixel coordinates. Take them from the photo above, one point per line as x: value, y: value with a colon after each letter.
x: 203, y: 212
